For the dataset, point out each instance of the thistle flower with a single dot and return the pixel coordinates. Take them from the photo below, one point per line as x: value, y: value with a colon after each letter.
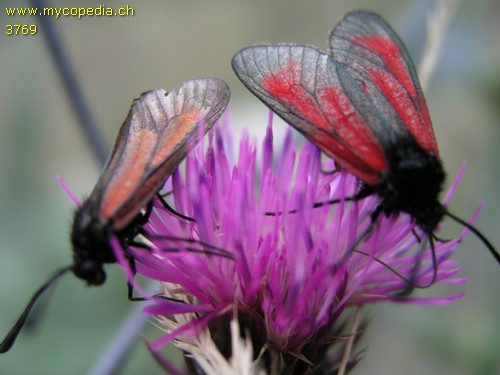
x: 295, y: 275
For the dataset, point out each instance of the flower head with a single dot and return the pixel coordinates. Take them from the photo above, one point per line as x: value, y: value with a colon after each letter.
x: 260, y: 253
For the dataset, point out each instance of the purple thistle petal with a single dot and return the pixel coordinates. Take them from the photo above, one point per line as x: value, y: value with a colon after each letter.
x: 68, y: 191
x: 454, y: 184
x: 165, y: 363
x: 285, y: 276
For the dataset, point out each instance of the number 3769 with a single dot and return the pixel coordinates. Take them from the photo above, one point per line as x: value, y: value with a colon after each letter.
x: 20, y: 29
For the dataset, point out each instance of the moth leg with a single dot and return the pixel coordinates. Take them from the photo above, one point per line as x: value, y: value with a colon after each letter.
x: 142, y: 219
x: 419, y: 239
x: 171, y: 210
x: 363, y: 193
x: 130, y: 285
x: 439, y: 239
x: 166, y: 194
x: 336, y: 169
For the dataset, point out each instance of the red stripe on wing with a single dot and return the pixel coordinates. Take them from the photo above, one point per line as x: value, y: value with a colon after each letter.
x: 178, y: 129
x: 390, y: 54
x: 283, y: 86
x: 132, y: 166
x: 342, y: 134
x: 369, y: 160
x: 159, y: 131
x: 399, y: 89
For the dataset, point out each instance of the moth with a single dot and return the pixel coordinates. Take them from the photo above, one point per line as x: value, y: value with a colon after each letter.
x: 363, y: 106
x: 156, y: 136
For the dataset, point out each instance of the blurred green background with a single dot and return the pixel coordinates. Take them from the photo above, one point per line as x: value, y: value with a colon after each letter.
x: 165, y: 43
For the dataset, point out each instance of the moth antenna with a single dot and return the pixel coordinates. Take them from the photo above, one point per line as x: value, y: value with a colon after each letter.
x: 365, y: 234
x: 411, y: 285
x: 363, y: 193
x: 410, y: 281
x: 478, y: 234
x: 11, y: 337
